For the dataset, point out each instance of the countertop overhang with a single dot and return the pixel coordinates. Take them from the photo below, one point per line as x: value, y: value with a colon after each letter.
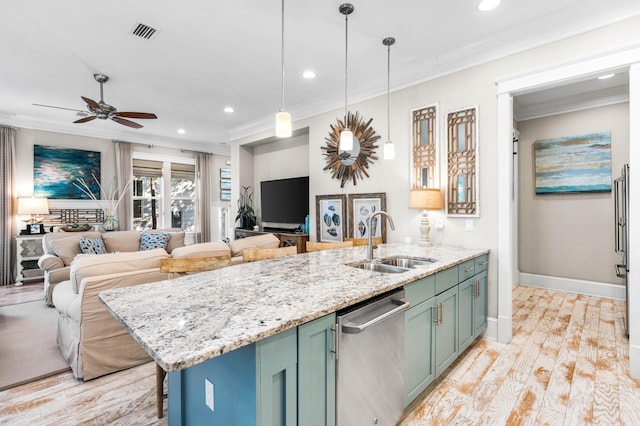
x: 188, y: 320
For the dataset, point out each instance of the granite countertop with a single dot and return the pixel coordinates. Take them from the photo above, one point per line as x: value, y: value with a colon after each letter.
x: 188, y: 320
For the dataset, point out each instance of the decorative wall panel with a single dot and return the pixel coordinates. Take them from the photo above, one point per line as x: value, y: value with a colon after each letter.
x: 462, y: 162
x: 424, y: 127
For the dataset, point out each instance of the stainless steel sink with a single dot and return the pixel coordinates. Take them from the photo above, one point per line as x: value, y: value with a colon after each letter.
x: 378, y: 267
x: 407, y: 262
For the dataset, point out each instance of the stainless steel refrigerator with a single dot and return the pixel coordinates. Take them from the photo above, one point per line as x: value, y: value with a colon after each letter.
x: 621, y: 212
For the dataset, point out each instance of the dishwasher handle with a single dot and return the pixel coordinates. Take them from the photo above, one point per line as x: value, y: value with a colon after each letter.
x: 401, y: 305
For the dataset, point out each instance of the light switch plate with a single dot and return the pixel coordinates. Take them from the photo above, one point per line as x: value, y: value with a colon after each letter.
x: 468, y: 225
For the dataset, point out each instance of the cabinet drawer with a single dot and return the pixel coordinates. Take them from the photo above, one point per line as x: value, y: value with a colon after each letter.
x: 466, y: 270
x: 421, y: 290
x: 446, y: 279
x: 481, y: 263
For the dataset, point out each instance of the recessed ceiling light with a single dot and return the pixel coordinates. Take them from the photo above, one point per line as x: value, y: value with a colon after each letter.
x: 606, y: 76
x: 228, y: 109
x: 182, y: 131
x: 309, y: 74
x: 487, y: 5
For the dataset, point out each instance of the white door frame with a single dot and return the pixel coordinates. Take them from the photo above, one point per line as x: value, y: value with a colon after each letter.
x: 624, y: 58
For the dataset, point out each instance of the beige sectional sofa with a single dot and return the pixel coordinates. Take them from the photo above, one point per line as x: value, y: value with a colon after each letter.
x: 92, y: 341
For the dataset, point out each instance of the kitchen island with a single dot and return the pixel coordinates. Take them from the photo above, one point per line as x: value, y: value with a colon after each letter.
x: 187, y: 322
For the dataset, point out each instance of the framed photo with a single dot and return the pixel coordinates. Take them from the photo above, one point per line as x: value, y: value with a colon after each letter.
x: 225, y: 173
x: 331, y: 217
x: 225, y: 184
x: 225, y: 195
x: 361, y: 207
x: 35, y: 228
x: 573, y: 164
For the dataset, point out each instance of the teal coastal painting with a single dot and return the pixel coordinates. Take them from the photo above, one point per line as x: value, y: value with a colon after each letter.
x: 573, y: 164
x: 56, y: 169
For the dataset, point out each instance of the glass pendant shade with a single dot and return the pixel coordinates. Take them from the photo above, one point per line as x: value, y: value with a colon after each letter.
x: 283, y: 124
x: 346, y: 140
x: 389, y: 151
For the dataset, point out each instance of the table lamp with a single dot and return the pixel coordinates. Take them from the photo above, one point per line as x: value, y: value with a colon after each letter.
x: 36, y: 207
x: 425, y: 199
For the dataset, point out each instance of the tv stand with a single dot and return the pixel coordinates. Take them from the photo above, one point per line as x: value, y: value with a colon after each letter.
x: 276, y: 230
x: 287, y: 239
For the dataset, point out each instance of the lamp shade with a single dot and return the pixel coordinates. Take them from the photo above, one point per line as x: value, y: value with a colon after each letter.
x: 425, y: 199
x: 389, y: 152
x: 346, y: 140
x: 283, y: 124
x: 33, y: 205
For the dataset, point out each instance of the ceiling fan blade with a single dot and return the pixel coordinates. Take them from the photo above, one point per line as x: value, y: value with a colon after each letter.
x: 135, y: 115
x: 127, y: 122
x: 85, y: 119
x: 91, y: 102
x: 57, y: 107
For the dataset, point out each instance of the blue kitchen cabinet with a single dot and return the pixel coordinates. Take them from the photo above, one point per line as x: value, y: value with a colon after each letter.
x: 419, y: 368
x: 466, y: 312
x: 446, y: 329
x: 317, y: 372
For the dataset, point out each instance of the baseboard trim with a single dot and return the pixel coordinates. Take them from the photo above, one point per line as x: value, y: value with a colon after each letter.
x: 569, y: 285
x: 491, y: 333
x: 634, y: 361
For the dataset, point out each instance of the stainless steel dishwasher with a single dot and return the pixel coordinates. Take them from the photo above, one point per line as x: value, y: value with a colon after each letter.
x: 370, y: 362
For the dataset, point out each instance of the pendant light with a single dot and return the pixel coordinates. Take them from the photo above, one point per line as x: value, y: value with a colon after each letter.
x: 389, y: 152
x: 346, y: 136
x: 283, y: 118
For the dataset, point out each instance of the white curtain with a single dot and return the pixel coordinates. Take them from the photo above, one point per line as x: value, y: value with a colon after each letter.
x: 124, y: 173
x: 204, y: 178
x: 7, y: 204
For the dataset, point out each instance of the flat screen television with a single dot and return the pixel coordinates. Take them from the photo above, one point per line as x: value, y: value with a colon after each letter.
x: 285, y: 200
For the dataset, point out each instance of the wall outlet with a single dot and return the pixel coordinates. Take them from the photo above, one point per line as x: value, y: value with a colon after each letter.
x: 208, y: 394
x: 439, y: 224
x: 468, y: 225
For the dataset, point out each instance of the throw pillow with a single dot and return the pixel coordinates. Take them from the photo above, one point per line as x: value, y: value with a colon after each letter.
x: 155, y: 240
x: 92, y: 246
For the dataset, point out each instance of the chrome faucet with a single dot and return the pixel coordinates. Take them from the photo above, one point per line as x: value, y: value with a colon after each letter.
x: 370, y: 246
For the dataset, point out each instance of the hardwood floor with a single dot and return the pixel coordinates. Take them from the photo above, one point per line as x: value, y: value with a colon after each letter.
x: 567, y: 364
x: 28, y: 292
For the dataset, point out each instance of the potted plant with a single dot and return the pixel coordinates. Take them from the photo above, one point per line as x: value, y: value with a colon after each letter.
x: 246, y: 214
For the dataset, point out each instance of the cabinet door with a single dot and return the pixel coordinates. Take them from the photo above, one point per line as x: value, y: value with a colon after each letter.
x: 466, y: 302
x: 276, y: 372
x: 419, y: 366
x: 317, y: 372
x: 480, y: 304
x: 446, y: 329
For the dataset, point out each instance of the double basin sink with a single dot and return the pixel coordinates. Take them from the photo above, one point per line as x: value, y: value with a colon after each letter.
x: 392, y: 265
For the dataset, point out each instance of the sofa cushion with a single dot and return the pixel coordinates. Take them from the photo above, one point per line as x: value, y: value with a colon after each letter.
x: 155, y: 240
x: 49, y: 237
x: 68, y: 248
x: 176, y: 237
x: 217, y: 248
x: 102, y: 264
x: 258, y: 241
x: 92, y: 246
x: 118, y: 241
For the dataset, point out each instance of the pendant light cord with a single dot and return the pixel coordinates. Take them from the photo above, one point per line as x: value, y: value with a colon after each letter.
x: 346, y: 49
x: 388, y: 88
x: 282, y: 109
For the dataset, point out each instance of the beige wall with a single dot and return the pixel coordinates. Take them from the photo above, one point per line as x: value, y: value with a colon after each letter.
x: 570, y: 235
x: 473, y: 86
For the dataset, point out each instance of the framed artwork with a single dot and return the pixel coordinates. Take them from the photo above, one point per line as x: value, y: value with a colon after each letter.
x: 330, y: 217
x: 225, y: 173
x: 56, y: 169
x: 225, y: 195
x: 361, y: 207
x: 573, y: 164
x: 462, y: 163
x: 225, y: 184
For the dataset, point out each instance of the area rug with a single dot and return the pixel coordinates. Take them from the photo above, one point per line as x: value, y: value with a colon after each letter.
x: 28, y: 349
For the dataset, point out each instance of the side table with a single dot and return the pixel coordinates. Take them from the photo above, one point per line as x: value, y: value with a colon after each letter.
x: 29, y: 250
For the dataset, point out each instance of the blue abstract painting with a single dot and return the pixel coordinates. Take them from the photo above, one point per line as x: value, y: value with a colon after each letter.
x: 56, y: 169
x: 573, y: 164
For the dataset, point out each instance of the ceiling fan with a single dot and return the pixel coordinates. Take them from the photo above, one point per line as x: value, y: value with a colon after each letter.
x: 105, y: 111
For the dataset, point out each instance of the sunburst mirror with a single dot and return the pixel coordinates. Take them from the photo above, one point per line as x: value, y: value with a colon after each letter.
x: 353, y: 164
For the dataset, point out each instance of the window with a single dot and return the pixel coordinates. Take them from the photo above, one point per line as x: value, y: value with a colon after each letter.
x: 164, y: 195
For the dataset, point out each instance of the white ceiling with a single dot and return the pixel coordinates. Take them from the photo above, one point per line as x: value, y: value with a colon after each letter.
x: 210, y: 54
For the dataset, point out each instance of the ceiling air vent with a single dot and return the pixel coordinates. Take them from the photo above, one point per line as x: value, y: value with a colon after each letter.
x: 144, y: 31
